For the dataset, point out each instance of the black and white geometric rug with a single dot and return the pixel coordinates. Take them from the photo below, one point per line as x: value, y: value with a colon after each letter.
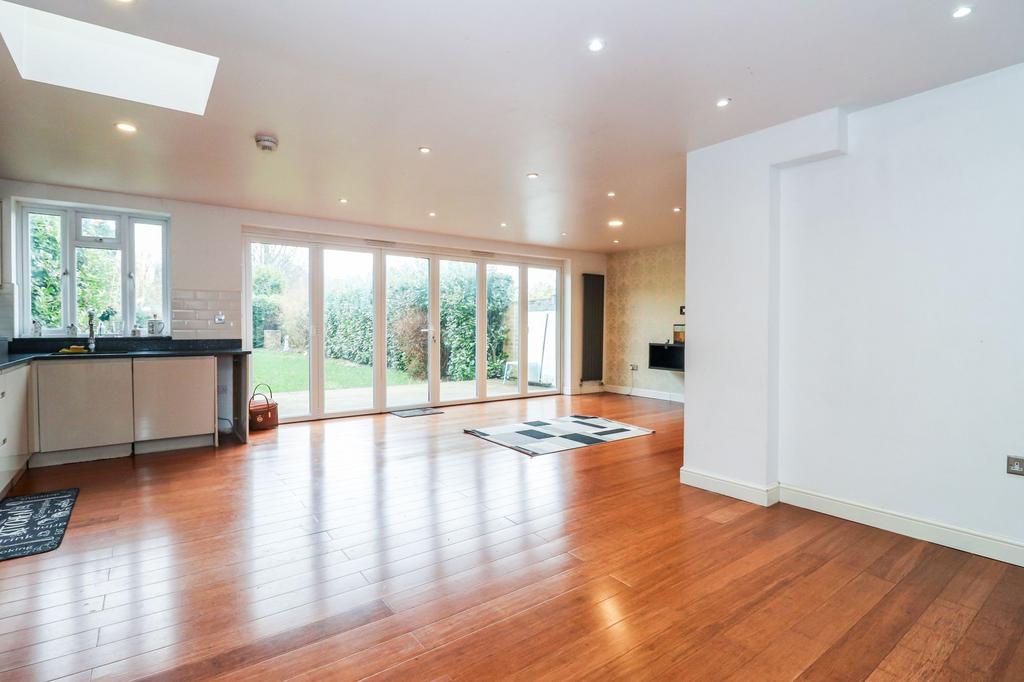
x: 33, y: 524
x: 544, y: 436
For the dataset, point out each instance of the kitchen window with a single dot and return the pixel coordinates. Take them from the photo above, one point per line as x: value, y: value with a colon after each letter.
x: 74, y: 259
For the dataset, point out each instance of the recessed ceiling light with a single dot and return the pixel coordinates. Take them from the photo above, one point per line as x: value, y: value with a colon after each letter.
x: 432, y: 214
x: 565, y: 234
x: 424, y: 150
x: 962, y: 11
x: 504, y: 224
x: 611, y: 194
x: 126, y: 2
x: 342, y: 201
x: 615, y: 223
x: 125, y: 127
x: 595, y: 44
x: 676, y: 209
x: 615, y: 241
x: 723, y: 103
x: 49, y: 48
x: 533, y: 176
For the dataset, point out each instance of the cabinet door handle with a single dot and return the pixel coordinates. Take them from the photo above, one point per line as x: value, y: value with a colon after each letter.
x: 4, y: 442
x: 3, y: 394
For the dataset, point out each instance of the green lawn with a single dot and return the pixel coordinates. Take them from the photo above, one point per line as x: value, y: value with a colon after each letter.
x: 287, y: 372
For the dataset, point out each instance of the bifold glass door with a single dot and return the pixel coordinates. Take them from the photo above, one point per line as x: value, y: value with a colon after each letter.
x: 409, y: 335
x: 457, y: 325
x: 349, y: 311
x: 280, y: 307
x: 338, y: 330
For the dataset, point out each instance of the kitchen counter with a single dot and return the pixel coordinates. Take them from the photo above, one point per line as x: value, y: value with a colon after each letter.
x: 233, y: 366
x: 15, y: 359
x: 141, y: 354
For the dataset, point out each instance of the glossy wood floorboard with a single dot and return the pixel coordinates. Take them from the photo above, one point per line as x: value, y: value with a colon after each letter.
x: 403, y: 549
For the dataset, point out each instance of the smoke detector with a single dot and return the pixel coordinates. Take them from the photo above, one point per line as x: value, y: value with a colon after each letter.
x: 266, y: 143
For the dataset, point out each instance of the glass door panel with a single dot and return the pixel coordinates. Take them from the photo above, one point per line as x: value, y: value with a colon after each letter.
x: 458, y: 329
x: 408, y: 333
x: 281, y: 324
x: 348, y: 330
x: 502, y: 329
x: 542, y: 326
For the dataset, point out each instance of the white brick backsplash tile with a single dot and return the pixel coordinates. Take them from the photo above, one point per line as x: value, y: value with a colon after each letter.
x: 193, y: 312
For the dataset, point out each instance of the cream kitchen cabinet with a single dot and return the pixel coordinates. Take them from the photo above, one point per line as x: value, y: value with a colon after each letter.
x: 84, y: 403
x: 175, y: 397
x: 14, y: 448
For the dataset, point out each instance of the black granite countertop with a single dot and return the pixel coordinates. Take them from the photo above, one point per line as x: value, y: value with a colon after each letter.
x: 15, y: 359
x: 21, y: 351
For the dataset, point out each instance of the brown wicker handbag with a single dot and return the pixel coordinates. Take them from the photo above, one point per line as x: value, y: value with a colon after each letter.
x: 262, y: 416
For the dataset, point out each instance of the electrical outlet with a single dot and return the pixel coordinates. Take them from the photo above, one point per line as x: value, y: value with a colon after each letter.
x: 218, y: 318
x: 633, y: 367
x: 1015, y: 465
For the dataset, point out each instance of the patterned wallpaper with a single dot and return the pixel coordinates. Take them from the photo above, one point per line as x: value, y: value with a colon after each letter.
x: 643, y: 292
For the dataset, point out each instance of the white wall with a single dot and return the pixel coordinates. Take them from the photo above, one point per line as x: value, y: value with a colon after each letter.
x: 899, y: 320
x: 731, y: 303
x: 207, y: 253
x: 903, y: 309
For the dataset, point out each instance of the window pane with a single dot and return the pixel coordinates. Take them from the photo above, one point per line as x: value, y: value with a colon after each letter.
x: 280, y: 324
x: 99, y: 227
x: 149, y: 272
x: 45, y: 267
x: 348, y: 330
x: 502, y: 330
x: 408, y: 333
x: 542, y: 323
x: 98, y: 287
x: 458, y: 330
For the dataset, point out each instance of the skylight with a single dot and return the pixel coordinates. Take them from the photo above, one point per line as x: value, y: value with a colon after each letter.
x: 49, y: 48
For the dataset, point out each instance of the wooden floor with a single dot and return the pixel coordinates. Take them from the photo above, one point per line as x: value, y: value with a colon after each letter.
x: 402, y: 549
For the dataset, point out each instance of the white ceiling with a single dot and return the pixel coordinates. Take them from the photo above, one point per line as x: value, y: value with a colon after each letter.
x: 497, y: 89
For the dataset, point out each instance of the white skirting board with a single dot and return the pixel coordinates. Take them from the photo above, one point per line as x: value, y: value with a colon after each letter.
x: 741, y: 490
x: 646, y: 393
x: 1001, y: 549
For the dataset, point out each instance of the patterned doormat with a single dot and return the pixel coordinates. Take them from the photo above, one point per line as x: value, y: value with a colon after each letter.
x: 544, y: 436
x: 33, y: 524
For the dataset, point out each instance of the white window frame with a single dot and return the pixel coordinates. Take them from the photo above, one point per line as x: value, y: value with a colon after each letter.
x: 71, y: 239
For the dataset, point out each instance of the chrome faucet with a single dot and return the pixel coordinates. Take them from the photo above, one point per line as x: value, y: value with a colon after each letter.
x: 92, y: 330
